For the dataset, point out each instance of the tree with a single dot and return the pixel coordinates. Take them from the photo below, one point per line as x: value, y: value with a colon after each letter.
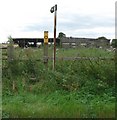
x: 61, y: 34
x: 10, y: 40
x: 102, y: 38
x: 114, y: 43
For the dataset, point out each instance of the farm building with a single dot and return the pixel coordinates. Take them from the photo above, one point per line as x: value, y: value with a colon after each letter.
x: 86, y: 42
x: 23, y: 42
x: 66, y: 42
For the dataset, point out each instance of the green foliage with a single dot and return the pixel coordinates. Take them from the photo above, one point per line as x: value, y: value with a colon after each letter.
x: 79, y: 88
x: 59, y: 104
x: 114, y: 43
x: 102, y: 38
x: 69, y: 75
x: 10, y: 40
x: 61, y: 34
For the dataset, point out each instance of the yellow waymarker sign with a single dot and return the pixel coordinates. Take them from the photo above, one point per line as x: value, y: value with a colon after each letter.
x: 45, y: 36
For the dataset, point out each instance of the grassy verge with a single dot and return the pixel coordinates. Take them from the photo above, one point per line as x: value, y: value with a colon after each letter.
x: 57, y: 105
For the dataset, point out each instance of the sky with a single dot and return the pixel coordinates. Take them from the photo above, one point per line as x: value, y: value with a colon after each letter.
x: 75, y: 18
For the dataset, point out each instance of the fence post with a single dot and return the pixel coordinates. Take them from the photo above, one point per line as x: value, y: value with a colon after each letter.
x: 46, y: 48
x: 10, y: 50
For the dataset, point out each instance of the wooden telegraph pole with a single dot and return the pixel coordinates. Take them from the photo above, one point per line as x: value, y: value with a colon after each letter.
x: 54, y: 9
x: 46, y: 48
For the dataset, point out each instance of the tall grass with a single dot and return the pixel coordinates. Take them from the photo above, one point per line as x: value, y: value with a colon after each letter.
x: 58, y: 105
x: 76, y: 88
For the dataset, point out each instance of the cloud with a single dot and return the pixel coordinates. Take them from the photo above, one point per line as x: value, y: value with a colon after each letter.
x: 44, y: 25
x: 91, y: 26
x: 82, y: 22
x: 28, y: 18
x: 72, y: 22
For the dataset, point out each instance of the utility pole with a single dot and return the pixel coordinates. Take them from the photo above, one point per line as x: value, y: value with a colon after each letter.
x: 54, y: 9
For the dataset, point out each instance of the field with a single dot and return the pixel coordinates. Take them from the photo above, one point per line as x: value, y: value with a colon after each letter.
x: 76, y: 89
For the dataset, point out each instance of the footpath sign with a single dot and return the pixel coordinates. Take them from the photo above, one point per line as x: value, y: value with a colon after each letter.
x: 46, y: 37
x: 46, y: 48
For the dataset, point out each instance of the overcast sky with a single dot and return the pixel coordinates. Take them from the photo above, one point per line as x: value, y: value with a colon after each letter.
x: 76, y: 18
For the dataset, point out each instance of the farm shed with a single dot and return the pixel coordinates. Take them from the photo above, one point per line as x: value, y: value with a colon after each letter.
x: 23, y: 42
x: 87, y: 42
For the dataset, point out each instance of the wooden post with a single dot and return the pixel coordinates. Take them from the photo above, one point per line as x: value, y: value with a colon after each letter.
x: 13, y: 85
x: 46, y: 48
x: 46, y: 54
x: 10, y: 51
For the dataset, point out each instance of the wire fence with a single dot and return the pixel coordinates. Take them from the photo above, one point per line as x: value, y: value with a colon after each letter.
x: 8, y: 55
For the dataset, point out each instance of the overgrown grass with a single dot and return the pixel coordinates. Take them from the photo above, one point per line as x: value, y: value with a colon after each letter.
x: 37, y: 53
x: 84, y: 52
x: 58, y: 105
x: 79, y: 88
